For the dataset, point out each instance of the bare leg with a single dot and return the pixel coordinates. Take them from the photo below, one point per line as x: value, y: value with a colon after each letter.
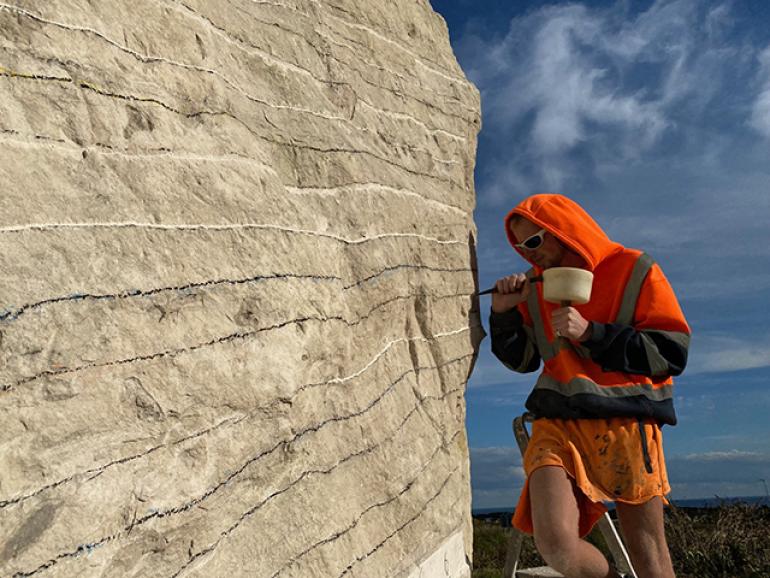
x: 643, y: 530
x: 555, y: 517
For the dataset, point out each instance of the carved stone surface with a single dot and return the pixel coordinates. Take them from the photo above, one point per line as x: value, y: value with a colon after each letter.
x: 236, y: 314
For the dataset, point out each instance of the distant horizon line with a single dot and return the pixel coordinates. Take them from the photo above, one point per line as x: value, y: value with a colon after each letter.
x: 715, y: 501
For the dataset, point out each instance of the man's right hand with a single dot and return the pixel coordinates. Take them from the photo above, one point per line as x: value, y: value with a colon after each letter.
x: 511, y: 291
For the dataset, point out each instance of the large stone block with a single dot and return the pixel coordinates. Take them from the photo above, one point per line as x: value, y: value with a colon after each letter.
x: 236, y: 300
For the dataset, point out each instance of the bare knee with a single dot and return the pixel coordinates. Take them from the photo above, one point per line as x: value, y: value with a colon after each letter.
x: 558, y: 547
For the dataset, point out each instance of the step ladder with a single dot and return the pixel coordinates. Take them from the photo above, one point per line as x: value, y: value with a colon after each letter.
x: 604, y: 525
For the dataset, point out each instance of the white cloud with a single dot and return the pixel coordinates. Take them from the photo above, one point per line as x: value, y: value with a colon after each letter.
x: 760, y: 115
x: 490, y: 371
x: 496, y: 476
x: 563, y: 80
x: 568, y: 77
x: 728, y: 456
x: 728, y: 473
x: 717, y: 352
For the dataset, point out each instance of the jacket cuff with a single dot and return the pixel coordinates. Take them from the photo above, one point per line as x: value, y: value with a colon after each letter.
x: 598, y: 337
x: 511, y: 319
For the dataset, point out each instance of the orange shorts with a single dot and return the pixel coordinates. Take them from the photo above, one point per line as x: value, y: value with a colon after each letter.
x: 604, y: 458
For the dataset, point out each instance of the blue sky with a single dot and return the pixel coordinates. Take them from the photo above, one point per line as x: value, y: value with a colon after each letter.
x: 655, y: 116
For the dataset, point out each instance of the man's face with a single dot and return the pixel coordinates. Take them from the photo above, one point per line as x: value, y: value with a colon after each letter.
x: 549, y: 254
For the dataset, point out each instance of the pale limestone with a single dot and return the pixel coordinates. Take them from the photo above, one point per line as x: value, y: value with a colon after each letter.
x: 236, y: 309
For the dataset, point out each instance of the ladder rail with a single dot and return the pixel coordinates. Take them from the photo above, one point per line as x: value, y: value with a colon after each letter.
x: 605, y: 525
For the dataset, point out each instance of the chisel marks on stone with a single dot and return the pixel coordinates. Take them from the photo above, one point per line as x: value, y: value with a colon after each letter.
x: 168, y: 353
x: 404, y: 525
x: 443, y: 111
x: 267, y: 58
x: 13, y: 314
x: 378, y: 189
x: 134, y: 154
x: 226, y: 423
x: 248, y: 47
x: 97, y: 470
x: 199, y: 113
x: 79, y: 551
x: 238, y: 335
x: 283, y: 443
x: 148, y: 58
x: 417, y: 58
x: 39, y: 227
x: 338, y: 534
x: 163, y: 153
x: 407, y: 266
x: 184, y: 507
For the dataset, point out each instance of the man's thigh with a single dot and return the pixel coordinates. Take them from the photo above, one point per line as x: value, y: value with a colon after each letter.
x: 645, y: 537
x: 642, y: 521
x: 553, y: 502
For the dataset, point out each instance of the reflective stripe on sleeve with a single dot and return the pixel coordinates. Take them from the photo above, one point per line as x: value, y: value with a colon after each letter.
x: 529, y: 350
x: 658, y: 363
x: 681, y: 339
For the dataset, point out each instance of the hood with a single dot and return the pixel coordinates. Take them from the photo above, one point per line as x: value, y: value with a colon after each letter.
x: 568, y: 222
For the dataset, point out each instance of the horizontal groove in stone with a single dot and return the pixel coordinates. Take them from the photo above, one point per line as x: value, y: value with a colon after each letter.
x: 184, y: 507
x: 171, y: 353
x: 338, y: 534
x: 255, y: 412
x: 163, y: 153
x: 42, y: 227
x: 294, y: 145
x: 11, y: 314
x: 117, y: 462
x: 402, y: 526
x: 443, y: 446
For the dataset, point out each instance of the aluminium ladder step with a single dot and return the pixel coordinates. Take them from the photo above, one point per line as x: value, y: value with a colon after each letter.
x: 539, y: 572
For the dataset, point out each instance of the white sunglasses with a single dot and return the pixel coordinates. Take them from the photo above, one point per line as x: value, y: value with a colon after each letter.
x: 532, y: 242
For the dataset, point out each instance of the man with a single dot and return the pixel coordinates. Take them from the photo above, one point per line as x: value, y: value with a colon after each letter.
x: 604, y: 391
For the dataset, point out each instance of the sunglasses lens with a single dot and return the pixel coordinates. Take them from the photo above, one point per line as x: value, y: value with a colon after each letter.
x: 533, y: 242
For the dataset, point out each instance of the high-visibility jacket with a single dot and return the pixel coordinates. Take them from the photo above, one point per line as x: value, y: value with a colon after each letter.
x: 639, y: 336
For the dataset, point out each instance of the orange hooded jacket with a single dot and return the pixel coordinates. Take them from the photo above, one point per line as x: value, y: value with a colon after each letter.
x: 629, y: 292
x: 620, y: 377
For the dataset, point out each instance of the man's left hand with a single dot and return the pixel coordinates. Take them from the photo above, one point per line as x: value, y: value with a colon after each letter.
x: 568, y: 323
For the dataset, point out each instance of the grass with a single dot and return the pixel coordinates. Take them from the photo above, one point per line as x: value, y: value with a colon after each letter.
x: 731, y: 541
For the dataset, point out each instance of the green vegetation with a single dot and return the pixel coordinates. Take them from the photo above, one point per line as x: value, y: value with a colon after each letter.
x: 732, y: 541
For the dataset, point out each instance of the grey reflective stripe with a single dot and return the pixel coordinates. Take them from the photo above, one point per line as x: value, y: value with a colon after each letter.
x: 549, y: 349
x: 559, y: 344
x: 580, y: 385
x: 633, y: 288
x: 682, y: 339
x: 546, y: 349
x: 658, y: 363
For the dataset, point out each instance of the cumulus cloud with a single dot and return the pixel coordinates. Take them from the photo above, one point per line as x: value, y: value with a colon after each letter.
x: 496, y: 476
x: 760, y: 115
x: 568, y: 76
x: 490, y: 371
x: 720, y: 353
x: 727, y: 473
x: 728, y: 456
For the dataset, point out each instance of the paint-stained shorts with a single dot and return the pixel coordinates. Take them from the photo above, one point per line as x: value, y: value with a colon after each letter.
x: 604, y: 457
